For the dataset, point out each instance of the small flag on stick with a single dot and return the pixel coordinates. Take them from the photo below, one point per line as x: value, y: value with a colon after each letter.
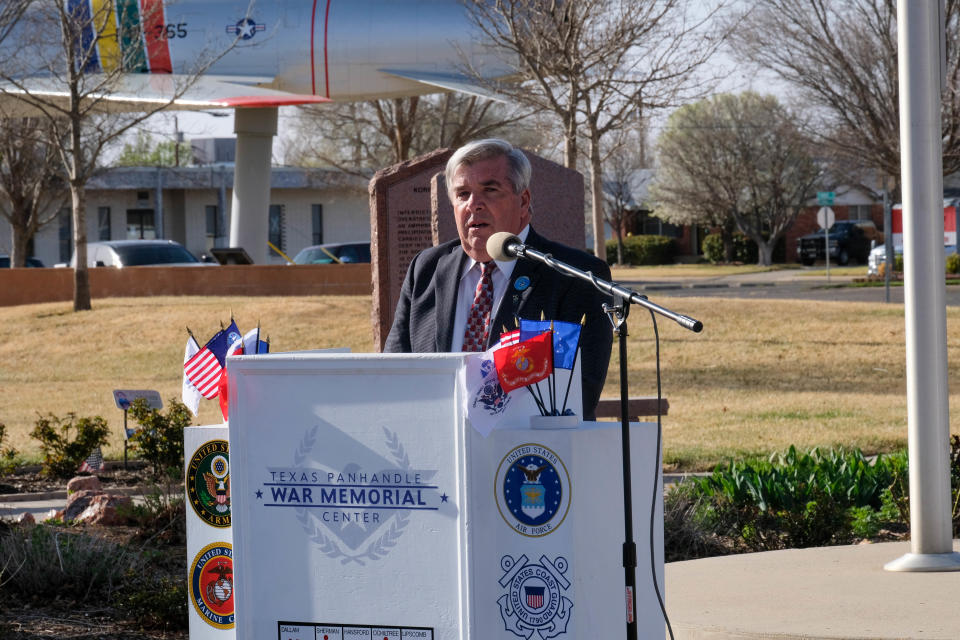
x: 93, y: 463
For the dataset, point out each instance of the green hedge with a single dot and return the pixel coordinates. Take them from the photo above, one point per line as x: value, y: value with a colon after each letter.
x: 644, y: 249
x: 744, y: 249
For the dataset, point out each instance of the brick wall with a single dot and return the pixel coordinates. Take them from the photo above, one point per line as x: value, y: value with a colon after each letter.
x: 26, y: 286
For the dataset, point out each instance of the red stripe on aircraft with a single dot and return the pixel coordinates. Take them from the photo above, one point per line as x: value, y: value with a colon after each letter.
x: 326, y: 64
x: 154, y: 28
x: 313, y: 66
x: 269, y: 101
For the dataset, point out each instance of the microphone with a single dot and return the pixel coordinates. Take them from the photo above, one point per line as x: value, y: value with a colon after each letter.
x: 504, y: 246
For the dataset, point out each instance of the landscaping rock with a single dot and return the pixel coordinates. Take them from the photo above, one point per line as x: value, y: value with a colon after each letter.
x: 78, y: 502
x: 102, y: 509
x: 26, y: 518
x: 84, y: 483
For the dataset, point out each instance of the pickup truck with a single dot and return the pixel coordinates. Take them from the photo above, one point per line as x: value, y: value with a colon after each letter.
x: 849, y: 240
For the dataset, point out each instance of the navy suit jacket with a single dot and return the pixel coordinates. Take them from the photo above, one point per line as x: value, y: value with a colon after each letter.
x: 423, y: 322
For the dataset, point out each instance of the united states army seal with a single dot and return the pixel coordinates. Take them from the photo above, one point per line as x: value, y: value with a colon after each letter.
x: 208, y: 483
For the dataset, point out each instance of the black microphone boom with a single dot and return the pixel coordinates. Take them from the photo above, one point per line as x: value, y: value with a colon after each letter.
x: 504, y: 246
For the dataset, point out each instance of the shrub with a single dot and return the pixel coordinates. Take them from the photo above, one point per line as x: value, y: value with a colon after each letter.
x: 47, y: 561
x: 953, y: 263
x: 159, y: 440
x: 161, y: 517
x: 8, y: 455
x: 796, y: 499
x: 156, y: 601
x: 687, y: 532
x: 712, y: 247
x: 744, y: 249
x: 62, y: 452
x: 644, y: 249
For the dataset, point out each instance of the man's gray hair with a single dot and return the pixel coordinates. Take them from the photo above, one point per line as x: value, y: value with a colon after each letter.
x: 518, y: 167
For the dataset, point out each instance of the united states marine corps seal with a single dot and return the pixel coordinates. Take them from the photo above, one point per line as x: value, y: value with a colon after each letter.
x: 532, y: 489
x: 208, y: 483
x: 211, y: 584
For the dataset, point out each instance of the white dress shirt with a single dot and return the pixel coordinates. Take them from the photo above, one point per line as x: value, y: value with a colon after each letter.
x: 469, y: 279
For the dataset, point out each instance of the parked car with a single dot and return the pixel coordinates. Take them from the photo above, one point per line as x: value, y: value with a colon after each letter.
x: 30, y: 262
x: 879, y: 254
x: 849, y: 240
x: 136, y: 253
x: 334, y: 252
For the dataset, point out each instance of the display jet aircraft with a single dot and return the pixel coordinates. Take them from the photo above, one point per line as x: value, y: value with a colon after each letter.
x: 254, y: 56
x: 267, y: 53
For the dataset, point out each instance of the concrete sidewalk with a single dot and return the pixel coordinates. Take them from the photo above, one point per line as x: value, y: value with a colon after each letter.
x: 40, y: 504
x: 821, y: 593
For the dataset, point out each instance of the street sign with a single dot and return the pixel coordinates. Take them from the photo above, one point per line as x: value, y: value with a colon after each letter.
x: 825, y: 198
x: 825, y: 217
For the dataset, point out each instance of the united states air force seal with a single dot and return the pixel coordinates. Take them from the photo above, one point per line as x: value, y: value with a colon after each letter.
x: 208, y: 483
x: 211, y: 584
x: 532, y: 489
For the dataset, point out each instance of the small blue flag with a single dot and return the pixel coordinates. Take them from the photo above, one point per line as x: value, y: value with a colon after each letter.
x: 221, y: 341
x: 566, y: 336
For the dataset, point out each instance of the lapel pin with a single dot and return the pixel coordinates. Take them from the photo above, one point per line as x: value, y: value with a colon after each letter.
x: 521, y: 283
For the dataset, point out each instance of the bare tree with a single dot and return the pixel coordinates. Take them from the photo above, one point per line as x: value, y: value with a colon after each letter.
x: 58, y: 79
x: 596, y: 64
x: 735, y: 159
x: 625, y: 176
x: 30, y: 181
x: 842, y: 58
x: 360, y: 137
x: 10, y: 13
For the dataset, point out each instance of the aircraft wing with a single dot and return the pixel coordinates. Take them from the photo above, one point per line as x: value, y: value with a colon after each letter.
x: 143, y: 91
x: 448, y: 81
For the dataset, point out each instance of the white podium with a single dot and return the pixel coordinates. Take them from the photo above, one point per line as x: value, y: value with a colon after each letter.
x: 364, y: 505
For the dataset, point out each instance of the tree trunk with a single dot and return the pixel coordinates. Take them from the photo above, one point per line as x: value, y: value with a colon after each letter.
x: 18, y: 249
x: 596, y: 183
x: 727, y: 246
x: 570, y: 142
x: 81, y: 275
x: 765, y: 253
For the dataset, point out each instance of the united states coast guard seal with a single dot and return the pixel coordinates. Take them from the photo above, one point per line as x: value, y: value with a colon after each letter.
x: 211, y: 584
x: 532, y: 489
x: 534, y: 602
x: 208, y: 483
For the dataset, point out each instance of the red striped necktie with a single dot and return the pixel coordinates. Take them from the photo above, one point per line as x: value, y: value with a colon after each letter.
x: 478, y: 321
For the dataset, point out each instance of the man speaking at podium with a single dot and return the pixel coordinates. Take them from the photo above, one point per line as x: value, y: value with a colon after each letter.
x: 455, y: 297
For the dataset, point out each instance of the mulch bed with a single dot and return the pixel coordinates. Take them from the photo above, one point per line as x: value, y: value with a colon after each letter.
x: 30, y: 480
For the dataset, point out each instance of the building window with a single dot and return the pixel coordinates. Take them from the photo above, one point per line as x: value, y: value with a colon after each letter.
x: 140, y: 224
x: 275, y: 230
x: 103, y: 223
x: 65, y: 235
x: 214, y: 226
x: 316, y: 211
x: 859, y: 212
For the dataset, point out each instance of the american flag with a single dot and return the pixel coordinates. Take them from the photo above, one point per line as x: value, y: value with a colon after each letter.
x: 206, y: 365
x: 509, y: 338
x: 203, y: 370
x: 94, y: 462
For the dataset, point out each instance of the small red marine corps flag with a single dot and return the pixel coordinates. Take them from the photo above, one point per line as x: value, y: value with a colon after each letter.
x: 525, y: 363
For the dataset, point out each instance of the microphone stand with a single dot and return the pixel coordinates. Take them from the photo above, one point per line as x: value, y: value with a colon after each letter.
x: 623, y: 297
